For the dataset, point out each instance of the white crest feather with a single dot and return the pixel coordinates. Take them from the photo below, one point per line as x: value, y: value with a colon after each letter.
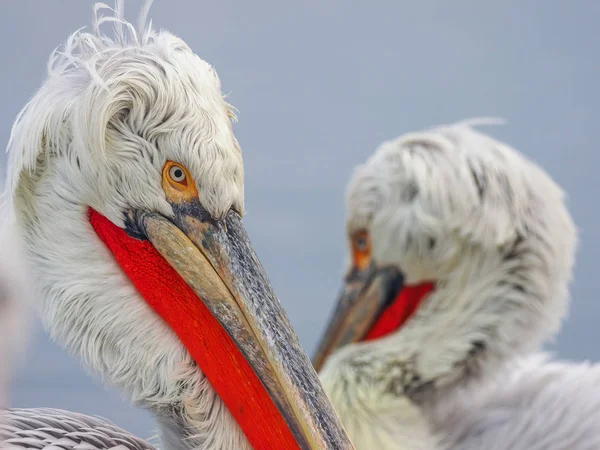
x: 96, y: 78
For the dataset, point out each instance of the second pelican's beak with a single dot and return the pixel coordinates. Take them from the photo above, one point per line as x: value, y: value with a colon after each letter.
x: 217, y: 261
x: 364, y: 297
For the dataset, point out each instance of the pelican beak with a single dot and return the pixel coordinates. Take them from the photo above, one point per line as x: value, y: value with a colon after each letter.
x: 364, y: 297
x: 217, y: 261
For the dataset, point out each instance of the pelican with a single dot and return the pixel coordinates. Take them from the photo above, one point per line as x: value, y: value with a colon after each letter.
x: 126, y: 184
x: 461, y: 253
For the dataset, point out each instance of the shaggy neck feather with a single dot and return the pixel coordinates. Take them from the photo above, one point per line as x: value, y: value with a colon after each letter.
x: 90, y: 308
x: 479, y: 318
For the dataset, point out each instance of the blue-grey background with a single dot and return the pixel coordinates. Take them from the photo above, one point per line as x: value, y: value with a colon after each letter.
x: 319, y: 83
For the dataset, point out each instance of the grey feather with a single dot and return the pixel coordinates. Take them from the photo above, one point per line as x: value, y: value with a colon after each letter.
x: 55, y: 429
x: 538, y: 405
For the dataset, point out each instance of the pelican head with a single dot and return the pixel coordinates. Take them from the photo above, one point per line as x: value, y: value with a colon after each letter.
x: 461, y: 252
x: 126, y: 181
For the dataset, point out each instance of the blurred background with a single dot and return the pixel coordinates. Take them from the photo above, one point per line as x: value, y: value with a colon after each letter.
x: 319, y: 84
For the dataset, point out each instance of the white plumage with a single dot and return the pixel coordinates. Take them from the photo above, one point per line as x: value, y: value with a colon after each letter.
x: 491, y: 230
x: 38, y: 428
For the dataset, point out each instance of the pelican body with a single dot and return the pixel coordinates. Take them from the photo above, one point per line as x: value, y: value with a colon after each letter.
x: 461, y: 256
x: 126, y: 184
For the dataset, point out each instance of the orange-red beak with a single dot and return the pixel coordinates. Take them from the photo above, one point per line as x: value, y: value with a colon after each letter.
x: 220, y: 303
x: 374, y: 302
x: 364, y: 297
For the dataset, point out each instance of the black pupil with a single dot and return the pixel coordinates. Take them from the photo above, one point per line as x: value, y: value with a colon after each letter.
x: 178, y: 173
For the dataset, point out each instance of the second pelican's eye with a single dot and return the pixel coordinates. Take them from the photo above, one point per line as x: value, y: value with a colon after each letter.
x: 361, y: 249
x: 177, y: 174
x: 361, y: 244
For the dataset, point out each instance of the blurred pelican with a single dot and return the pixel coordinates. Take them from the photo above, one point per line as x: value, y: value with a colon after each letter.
x: 461, y: 255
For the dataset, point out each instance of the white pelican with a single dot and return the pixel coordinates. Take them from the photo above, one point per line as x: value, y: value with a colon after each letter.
x: 126, y: 183
x: 461, y: 256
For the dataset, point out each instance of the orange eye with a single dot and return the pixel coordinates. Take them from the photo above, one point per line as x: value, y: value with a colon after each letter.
x: 177, y: 183
x: 361, y: 249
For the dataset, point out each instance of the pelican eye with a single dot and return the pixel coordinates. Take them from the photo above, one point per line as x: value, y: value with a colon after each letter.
x: 361, y: 244
x: 177, y: 174
x: 178, y: 184
x: 361, y: 249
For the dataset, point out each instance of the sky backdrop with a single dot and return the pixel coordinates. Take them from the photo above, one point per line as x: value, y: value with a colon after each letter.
x: 319, y: 84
